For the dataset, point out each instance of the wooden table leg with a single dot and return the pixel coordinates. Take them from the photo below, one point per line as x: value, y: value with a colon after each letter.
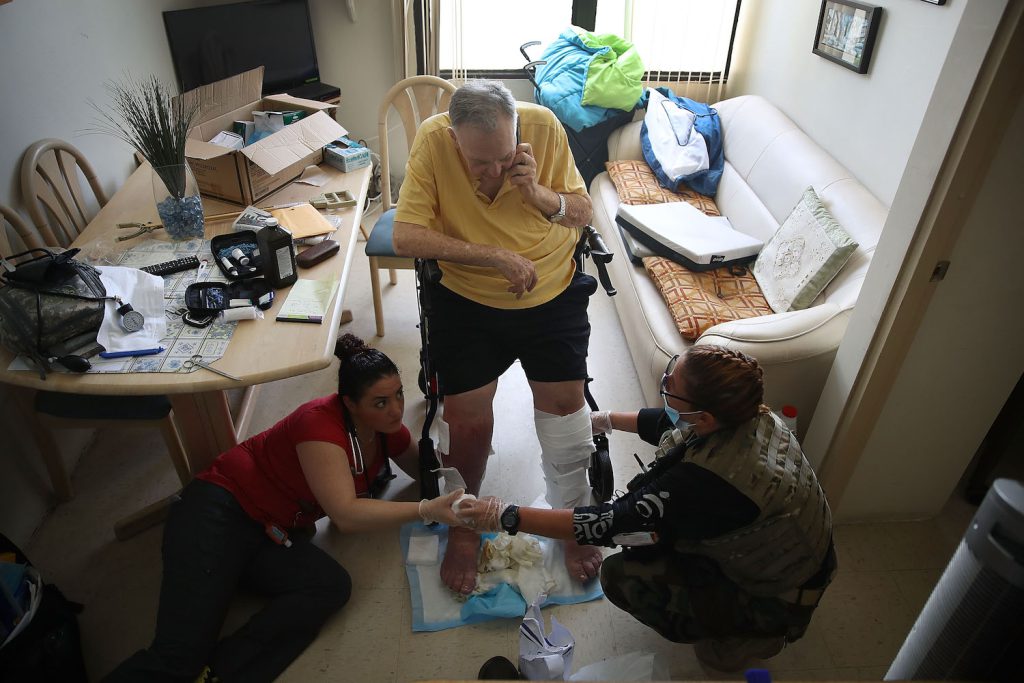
x: 207, y: 430
x: 204, y: 421
x: 147, y: 517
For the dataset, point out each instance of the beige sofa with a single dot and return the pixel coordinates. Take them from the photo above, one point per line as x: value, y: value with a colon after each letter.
x: 769, y: 162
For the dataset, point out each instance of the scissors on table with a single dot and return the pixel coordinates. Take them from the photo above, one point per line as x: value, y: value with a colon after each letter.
x: 197, y: 361
x: 140, y: 229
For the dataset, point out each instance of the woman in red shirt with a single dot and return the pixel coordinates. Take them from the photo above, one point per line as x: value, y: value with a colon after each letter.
x: 247, y: 521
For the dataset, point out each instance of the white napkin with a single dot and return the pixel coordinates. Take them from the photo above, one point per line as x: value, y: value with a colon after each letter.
x: 145, y: 293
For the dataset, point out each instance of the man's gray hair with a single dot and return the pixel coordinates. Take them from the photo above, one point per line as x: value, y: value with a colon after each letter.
x: 480, y: 103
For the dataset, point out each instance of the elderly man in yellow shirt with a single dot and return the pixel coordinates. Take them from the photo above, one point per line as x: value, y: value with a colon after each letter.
x: 491, y: 191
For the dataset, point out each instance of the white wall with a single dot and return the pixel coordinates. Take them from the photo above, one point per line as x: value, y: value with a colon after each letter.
x: 902, y: 115
x: 56, y: 56
x: 963, y: 363
x: 868, y: 122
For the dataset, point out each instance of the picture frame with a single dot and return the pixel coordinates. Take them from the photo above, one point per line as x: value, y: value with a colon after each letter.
x: 846, y: 33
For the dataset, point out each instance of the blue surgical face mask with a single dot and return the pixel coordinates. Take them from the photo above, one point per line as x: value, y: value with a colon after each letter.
x: 675, y: 417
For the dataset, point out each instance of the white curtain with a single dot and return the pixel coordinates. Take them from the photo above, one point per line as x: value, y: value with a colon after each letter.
x: 405, y: 38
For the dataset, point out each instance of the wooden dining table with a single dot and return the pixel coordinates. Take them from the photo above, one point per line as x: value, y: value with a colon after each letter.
x: 260, y: 351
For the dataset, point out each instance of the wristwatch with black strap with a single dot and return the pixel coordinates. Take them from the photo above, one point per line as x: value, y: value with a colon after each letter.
x: 510, y: 520
x: 560, y: 214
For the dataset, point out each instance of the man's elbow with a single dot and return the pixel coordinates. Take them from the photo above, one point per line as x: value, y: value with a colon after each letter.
x: 586, y: 214
x: 400, y: 240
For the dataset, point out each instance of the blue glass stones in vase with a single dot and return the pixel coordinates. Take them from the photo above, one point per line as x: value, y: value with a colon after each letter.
x: 178, y: 201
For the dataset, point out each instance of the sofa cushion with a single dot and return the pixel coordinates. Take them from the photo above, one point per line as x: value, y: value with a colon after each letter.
x: 636, y: 183
x: 805, y: 253
x: 699, y: 301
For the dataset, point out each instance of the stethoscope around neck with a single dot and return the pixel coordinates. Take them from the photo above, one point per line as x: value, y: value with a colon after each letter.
x: 358, y: 466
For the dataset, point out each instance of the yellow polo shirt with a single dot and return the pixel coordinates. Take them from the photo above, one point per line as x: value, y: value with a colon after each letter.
x: 439, y: 194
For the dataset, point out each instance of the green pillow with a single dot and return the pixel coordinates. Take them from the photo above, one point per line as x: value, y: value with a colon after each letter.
x: 802, y: 257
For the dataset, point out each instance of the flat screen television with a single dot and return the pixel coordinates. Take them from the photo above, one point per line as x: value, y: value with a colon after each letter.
x: 212, y: 43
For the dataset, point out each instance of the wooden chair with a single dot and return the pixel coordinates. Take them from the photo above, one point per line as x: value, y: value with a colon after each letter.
x: 415, y: 99
x: 45, y: 411
x: 51, y: 174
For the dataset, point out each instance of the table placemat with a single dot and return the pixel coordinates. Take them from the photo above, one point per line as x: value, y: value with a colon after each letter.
x: 181, y: 341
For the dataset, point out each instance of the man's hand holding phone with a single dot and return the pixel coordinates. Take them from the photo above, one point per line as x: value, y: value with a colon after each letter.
x: 523, y: 173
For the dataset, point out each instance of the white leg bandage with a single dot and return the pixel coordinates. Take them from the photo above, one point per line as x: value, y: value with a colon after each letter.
x: 566, y: 444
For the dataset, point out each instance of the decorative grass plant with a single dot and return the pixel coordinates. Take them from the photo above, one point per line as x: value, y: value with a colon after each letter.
x: 144, y: 114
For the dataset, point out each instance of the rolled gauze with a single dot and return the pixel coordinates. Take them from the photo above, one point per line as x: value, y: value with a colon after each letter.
x: 464, y: 496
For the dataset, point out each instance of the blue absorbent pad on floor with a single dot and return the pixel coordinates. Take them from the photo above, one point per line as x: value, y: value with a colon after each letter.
x: 435, y: 608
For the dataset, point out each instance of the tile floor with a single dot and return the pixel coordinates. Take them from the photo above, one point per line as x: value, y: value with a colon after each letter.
x: 886, y: 571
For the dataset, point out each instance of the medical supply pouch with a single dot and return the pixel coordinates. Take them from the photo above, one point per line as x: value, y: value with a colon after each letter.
x: 237, y: 255
x: 210, y: 298
x: 50, y: 304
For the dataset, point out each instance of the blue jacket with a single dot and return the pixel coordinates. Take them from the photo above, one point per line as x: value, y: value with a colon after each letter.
x: 562, y: 81
x: 709, y: 126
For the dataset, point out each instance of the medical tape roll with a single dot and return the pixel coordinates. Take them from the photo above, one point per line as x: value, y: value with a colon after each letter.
x: 240, y: 313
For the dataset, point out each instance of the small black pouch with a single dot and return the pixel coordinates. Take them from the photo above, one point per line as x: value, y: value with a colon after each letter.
x: 209, y: 298
x: 237, y: 255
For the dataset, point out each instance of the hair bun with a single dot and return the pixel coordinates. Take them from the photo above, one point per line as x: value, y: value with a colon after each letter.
x: 348, y: 345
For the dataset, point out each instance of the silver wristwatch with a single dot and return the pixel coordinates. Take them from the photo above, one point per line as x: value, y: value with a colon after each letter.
x: 560, y: 214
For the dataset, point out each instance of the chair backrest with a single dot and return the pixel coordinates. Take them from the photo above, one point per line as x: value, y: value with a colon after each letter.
x: 53, y: 193
x: 415, y: 99
x: 12, y: 217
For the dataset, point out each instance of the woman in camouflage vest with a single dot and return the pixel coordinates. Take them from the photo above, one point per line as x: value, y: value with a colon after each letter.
x: 726, y: 536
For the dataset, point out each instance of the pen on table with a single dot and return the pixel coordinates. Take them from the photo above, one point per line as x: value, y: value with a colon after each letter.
x: 127, y: 354
x: 643, y: 467
x: 300, y: 319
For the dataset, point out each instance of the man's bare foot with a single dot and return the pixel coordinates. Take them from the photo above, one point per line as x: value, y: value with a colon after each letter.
x: 458, y: 569
x: 582, y: 561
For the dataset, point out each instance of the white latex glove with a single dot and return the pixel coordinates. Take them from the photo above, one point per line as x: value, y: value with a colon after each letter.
x: 601, y: 422
x: 440, y: 509
x: 482, y: 514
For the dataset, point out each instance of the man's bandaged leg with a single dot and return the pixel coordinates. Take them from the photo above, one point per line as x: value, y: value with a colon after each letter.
x: 566, y: 444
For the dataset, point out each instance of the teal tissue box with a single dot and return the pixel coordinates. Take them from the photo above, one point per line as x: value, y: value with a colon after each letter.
x: 346, y: 158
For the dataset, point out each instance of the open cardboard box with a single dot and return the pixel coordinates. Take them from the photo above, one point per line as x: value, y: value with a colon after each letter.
x: 247, y: 175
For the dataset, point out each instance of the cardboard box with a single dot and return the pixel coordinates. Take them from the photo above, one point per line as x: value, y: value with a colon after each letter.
x: 247, y: 175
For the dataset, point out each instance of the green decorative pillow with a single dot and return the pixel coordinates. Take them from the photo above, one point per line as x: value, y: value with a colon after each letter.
x: 803, y: 256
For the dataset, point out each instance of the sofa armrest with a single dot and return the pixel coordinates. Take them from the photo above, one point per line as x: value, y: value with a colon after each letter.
x: 783, y: 337
x: 624, y: 142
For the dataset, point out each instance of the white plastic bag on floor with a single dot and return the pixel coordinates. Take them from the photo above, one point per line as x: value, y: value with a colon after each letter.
x: 544, y: 656
x: 632, y: 666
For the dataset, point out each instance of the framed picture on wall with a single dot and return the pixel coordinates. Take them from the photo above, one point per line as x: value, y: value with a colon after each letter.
x: 846, y: 33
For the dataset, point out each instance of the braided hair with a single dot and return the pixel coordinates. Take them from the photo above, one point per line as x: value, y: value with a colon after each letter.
x: 726, y: 383
x: 361, y: 366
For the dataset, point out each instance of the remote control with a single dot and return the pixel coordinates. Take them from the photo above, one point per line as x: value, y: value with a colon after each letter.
x: 175, y: 266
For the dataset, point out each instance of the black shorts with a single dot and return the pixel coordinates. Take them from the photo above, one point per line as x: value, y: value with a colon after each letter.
x: 471, y: 344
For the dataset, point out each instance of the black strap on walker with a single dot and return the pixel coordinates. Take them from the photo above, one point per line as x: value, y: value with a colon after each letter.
x: 592, y: 244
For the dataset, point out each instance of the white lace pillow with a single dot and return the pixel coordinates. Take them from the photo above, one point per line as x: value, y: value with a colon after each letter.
x: 803, y: 256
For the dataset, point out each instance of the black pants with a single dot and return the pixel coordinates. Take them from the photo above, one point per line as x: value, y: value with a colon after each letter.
x: 210, y: 548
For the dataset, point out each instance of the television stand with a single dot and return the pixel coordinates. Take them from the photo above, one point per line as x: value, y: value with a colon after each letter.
x: 321, y: 92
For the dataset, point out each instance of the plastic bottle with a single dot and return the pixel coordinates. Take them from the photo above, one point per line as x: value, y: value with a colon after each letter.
x: 789, y: 417
x: 278, y: 253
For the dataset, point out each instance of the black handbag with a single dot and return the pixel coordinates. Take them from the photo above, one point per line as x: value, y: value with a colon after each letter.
x: 50, y: 305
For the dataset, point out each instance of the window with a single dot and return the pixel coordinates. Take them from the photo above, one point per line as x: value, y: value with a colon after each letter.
x: 677, y: 39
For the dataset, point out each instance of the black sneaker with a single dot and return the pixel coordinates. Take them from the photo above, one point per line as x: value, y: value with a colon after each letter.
x: 498, y: 669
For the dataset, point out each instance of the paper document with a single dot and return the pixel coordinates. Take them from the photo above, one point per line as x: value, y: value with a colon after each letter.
x: 307, y: 301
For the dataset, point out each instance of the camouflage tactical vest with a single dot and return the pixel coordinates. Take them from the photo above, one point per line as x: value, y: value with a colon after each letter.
x: 786, y: 544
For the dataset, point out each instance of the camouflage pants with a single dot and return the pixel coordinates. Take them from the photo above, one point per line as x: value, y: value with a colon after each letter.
x: 686, y: 598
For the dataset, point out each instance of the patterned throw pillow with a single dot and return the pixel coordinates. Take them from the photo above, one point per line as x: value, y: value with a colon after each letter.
x: 699, y: 301
x: 802, y: 257
x: 636, y: 183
